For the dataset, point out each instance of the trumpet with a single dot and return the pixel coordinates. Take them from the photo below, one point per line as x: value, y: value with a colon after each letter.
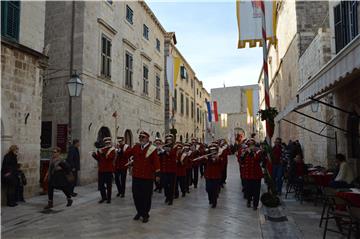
x: 204, y: 156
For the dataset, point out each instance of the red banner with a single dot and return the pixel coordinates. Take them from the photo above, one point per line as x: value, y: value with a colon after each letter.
x: 216, y: 112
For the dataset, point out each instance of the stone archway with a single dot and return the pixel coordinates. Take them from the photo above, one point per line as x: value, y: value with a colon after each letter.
x: 128, y: 137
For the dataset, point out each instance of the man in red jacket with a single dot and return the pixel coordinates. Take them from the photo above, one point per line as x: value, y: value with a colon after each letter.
x: 122, y: 158
x: 146, y: 167
x: 105, y: 157
x: 213, y: 175
x: 252, y: 173
x: 181, y: 159
x: 168, y: 169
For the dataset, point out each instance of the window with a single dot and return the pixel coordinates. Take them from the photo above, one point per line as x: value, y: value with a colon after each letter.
x: 187, y: 106
x: 192, y: 109
x: 10, y: 19
x: 223, y: 122
x: 181, y: 103
x: 200, y: 94
x: 346, y: 23
x: 146, y: 32
x: 175, y: 100
x: 197, y: 115
x: 157, y: 87
x: 105, y: 56
x: 145, y: 80
x: 129, y: 14
x: 128, y: 70
x: 183, y: 72
x: 197, y: 91
x: 192, y: 83
x: 158, y: 45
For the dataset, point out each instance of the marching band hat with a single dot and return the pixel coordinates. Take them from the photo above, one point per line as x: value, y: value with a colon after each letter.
x: 120, y: 138
x: 169, y: 136
x: 145, y: 134
x: 251, y: 141
x: 107, y: 140
x: 157, y: 140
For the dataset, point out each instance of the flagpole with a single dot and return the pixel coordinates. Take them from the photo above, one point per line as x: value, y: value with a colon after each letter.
x: 265, y: 70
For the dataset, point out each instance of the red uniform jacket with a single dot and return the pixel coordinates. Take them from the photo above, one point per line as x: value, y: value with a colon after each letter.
x: 213, y: 169
x: 105, y: 157
x: 168, y: 162
x: 146, y: 161
x: 277, y: 153
x: 252, y: 169
x: 181, y: 165
x: 122, y: 158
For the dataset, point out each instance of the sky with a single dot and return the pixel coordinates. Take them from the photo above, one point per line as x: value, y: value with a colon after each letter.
x: 207, y: 36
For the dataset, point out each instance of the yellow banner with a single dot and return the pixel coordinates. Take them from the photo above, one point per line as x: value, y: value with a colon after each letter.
x: 249, y: 102
x: 177, y: 62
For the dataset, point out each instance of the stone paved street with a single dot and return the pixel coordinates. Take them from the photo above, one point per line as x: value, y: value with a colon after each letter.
x: 189, y: 217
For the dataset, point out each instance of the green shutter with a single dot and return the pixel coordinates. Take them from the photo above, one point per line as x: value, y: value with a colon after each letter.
x: 10, y: 19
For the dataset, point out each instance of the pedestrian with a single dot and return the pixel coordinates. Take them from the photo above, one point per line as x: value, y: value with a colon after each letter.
x: 277, y: 165
x: 122, y: 158
x: 9, y: 175
x: 59, y: 177
x: 168, y: 169
x: 105, y: 157
x: 253, y: 173
x: 146, y: 167
x: 345, y: 175
x: 73, y: 159
x: 213, y: 174
x: 21, y: 183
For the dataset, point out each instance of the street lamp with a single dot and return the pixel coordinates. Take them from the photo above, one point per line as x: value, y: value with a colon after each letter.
x: 74, y: 85
x: 314, y: 106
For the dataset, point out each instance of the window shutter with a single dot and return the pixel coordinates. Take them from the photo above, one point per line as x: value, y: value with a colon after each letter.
x: 10, y: 19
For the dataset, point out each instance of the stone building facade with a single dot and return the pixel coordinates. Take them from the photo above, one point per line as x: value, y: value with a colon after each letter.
x: 187, y: 103
x: 303, y: 36
x: 118, y: 52
x: 326, y: 92
x: 22, y: 69
x: 233, y: 111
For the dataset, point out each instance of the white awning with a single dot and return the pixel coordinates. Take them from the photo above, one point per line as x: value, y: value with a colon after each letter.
x: 332, y: 74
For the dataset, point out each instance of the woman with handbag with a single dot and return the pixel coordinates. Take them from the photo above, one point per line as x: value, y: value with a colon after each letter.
x: 59, y: 177
x: 9, y: 174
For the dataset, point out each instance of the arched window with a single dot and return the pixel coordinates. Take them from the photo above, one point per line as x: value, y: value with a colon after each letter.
x: 128, y: 137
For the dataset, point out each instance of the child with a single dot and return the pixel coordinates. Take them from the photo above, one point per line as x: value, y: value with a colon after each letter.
x: 21, y: 184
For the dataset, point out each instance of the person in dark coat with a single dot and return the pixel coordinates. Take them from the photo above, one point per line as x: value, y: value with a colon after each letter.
x: 73, y: 159
x: 9, y: 174
x: 21, y: 183
x: 58, y: 173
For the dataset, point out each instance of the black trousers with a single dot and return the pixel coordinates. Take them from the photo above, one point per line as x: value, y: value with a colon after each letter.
x: 252, y: 191
x: 168, y: 183
x: 75, y: 173
x: 212, y: 188
x: 120, y: 181
x: 180, y: 182
x: 105, y: 178
x: 224, y: 174
x: 66, y: 191
x: 188, y: 178
x: 195, y: 175
x: 202, y: 169
x: 142, y: 190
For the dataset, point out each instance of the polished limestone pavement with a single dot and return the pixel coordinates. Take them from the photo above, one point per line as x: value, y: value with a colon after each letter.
x: 188, y: 217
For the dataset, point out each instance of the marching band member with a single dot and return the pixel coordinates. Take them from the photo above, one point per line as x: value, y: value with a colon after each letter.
x: 198, y: 150
x: 105, y: 157
x: 253, y: 173
x: 146, y: 166
x: 161, y: 152
x: 122, y: 158
x: 181, y: 158
x: 168, y: 169
x: 213, y: 175
x: 224, y: 151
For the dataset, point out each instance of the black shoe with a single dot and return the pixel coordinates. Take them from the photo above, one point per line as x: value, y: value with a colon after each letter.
x: 108, y: 201
x: 145, y: 219
x: 122, y: 195
x: 69, y: 202
x: 255, y: 208
x: 137, y: 217
x: 74, y: 194
x: 188, y: 191
x: 170, y: 203
x: 176, y: 196
x: 183, y: 194
x: 102, y: 200
x: 248, y: 204
x: 118, y: 194
x: 195, y: 186
x: 166, y: 200
x: 214, y: 205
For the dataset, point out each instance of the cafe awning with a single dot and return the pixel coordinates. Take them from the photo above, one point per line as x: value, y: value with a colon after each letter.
x: 333, y: 74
